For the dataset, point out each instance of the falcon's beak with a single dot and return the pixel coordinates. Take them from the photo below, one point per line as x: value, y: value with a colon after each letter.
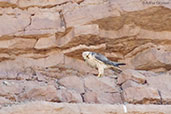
x: 83, y: 59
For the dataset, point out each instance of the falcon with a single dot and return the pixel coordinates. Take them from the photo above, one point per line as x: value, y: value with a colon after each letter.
x: 99, y: 61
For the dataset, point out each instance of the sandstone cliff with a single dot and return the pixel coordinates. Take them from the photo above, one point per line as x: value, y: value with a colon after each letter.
x: 41, y: 42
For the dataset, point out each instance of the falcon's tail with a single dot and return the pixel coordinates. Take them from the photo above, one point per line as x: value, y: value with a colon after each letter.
x: 116, y: 67
x: 117, y: 64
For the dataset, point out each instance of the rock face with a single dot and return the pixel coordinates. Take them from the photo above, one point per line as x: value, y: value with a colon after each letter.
x: 131, y: 86
x: 131, y: 75
x: 141, y: 95
x: 70, y: 27
x: 41, y: 44
x: 71, y: 108
x: 73, y: 82
x: 161, y: 83
x: 152, y: 59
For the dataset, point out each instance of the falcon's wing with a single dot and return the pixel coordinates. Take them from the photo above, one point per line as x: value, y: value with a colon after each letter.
x: 105, y: 60
x: 102, y: 58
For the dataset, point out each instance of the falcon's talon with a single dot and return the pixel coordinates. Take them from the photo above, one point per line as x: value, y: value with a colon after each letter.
x: 99, y: 75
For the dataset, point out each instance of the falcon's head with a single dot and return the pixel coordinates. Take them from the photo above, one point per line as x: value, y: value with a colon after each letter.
x: 86, y: 55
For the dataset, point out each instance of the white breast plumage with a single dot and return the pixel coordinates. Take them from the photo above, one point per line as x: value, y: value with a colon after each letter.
x: 91, y: 62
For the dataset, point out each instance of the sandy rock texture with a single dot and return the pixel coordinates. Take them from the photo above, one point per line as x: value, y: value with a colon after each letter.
x: 48, y: 33
x: 41, y: 42
x: 66, y: 108
x: 62, y: 84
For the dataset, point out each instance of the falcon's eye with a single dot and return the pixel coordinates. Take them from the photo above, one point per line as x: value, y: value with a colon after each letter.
x: 87, y: 56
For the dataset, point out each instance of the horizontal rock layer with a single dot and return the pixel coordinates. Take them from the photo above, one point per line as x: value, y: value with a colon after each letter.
x: 63, y: 108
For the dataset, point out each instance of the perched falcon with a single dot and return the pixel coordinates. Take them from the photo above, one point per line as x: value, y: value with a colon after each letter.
x: 100, y: 62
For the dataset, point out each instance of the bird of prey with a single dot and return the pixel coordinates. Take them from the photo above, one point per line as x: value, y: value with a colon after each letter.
x: 100, y: 62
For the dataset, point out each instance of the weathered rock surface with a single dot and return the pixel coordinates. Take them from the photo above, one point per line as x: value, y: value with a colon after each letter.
x: 10, y: 88
x: 73, y: 82
x: 102, y: 98
x: 40, y: 83
x: 143, y: 95
x: 41, y: 44
x: 129, y: 83
x: 69, y: 96
x: 4, y: 101
x: 161, y: 82
x: 152, y: 59
x: 39, y: 92
x: 72, y: 26
x: 131, y: 75
x: 103, y: 84
x: 63, y: 108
